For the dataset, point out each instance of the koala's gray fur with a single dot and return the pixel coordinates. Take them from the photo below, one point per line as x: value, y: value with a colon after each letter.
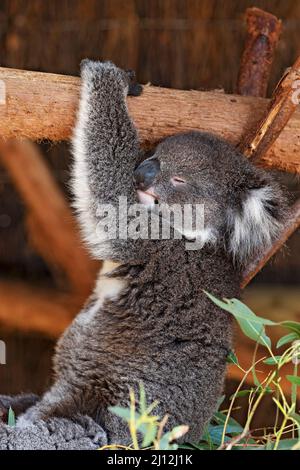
x: 156, y: 326
x: 54, y: 434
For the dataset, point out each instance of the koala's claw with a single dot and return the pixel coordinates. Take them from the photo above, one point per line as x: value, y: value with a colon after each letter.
x: 134, y: 88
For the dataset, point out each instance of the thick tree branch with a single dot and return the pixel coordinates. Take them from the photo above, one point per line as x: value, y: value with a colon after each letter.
x: 283, y: 104
x: 27, y: 308
x: 42, y: 106
x: 263, y: 35
x: 53, y: 227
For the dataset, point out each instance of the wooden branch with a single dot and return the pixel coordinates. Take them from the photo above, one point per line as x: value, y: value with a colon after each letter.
x: 42, y: 106
x: 55, y: 232
x: 30, y: 309
x: 281, y: 108
x: 283, y: 104
x: 263, y: 35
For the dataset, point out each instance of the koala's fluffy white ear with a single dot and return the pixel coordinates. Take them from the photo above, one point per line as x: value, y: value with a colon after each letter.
x: 255, y: 225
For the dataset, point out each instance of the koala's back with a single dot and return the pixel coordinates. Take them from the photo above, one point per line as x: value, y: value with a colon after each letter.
x: 158, y: 328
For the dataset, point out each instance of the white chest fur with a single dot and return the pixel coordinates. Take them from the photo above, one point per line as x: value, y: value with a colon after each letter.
x: 106, y: 289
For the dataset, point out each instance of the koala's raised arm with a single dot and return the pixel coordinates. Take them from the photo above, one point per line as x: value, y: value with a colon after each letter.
x: 105, y: 149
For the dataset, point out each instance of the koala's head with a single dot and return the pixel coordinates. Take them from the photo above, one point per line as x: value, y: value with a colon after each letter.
x: 243, y: 207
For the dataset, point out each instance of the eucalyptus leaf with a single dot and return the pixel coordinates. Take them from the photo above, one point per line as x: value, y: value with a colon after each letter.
x: 11, y: 417
x: 232, y: 358
x: 242, y: 393
x: 284, y: 444
x: 289, y: 338
x: 149, y: 431
x: 220, y: 401
x: 271, y: 361
x: 220, y: 418
x: 206, y: 437
x: 251, y: 325
x: 216, y: 434
x: 239, y: 310
x: 166, y: 440
x: 203, y: 446
x: 255, y: 331
x: 124, y: 413
x: 293, y: 379
x: 293, y: 326
x: 296, y: 417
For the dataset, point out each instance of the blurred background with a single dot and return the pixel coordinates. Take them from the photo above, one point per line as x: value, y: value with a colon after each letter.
x: 185, y: 44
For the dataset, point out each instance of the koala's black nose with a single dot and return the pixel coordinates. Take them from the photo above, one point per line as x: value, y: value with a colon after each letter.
x: 145, y: 173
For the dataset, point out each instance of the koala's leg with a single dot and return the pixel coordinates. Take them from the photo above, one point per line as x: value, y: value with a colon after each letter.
x: 59, y: 401
x: 18, y: 403
x: 106, y: 152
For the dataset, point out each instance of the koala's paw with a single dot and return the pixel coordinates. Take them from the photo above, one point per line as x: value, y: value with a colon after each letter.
x: 95, y: 67
x: 18, y: 403
x: 33, y: 415
x: 103, y: 76
x: 92, y: 429
x: 134, y: 88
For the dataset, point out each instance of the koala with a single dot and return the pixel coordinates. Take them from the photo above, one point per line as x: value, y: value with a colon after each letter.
x: 149, y: 319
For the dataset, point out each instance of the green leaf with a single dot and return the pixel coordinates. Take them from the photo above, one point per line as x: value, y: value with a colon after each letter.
x: 260, y: 389
x: 232, y: 359
x: 230, y: 429
x: 216, y: 434
x: 255, y: 332
x: 220, y: 418
x: 11, y: 417
x: 284, y: 444
x: 255, y: 378
x: 239, y: 310
x: 251, y: 325
x: 166, y: 440
x: 242, y: 393
x: 149, y: 431
x: 199, y: 446
x: 287, y: 444
x: 203, y: 446
x: 296, y: 417
x: 293, y: 379
x: 269, y: 445
x: 220, y: 401
x: 206, y: 437
x: 271, y: 361
x: 293, y: 326
x: 286, y: 339
x: 249, y: 447
x: 122, y: 412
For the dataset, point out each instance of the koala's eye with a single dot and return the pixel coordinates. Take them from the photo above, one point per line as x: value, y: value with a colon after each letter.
x: 177, y: 181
